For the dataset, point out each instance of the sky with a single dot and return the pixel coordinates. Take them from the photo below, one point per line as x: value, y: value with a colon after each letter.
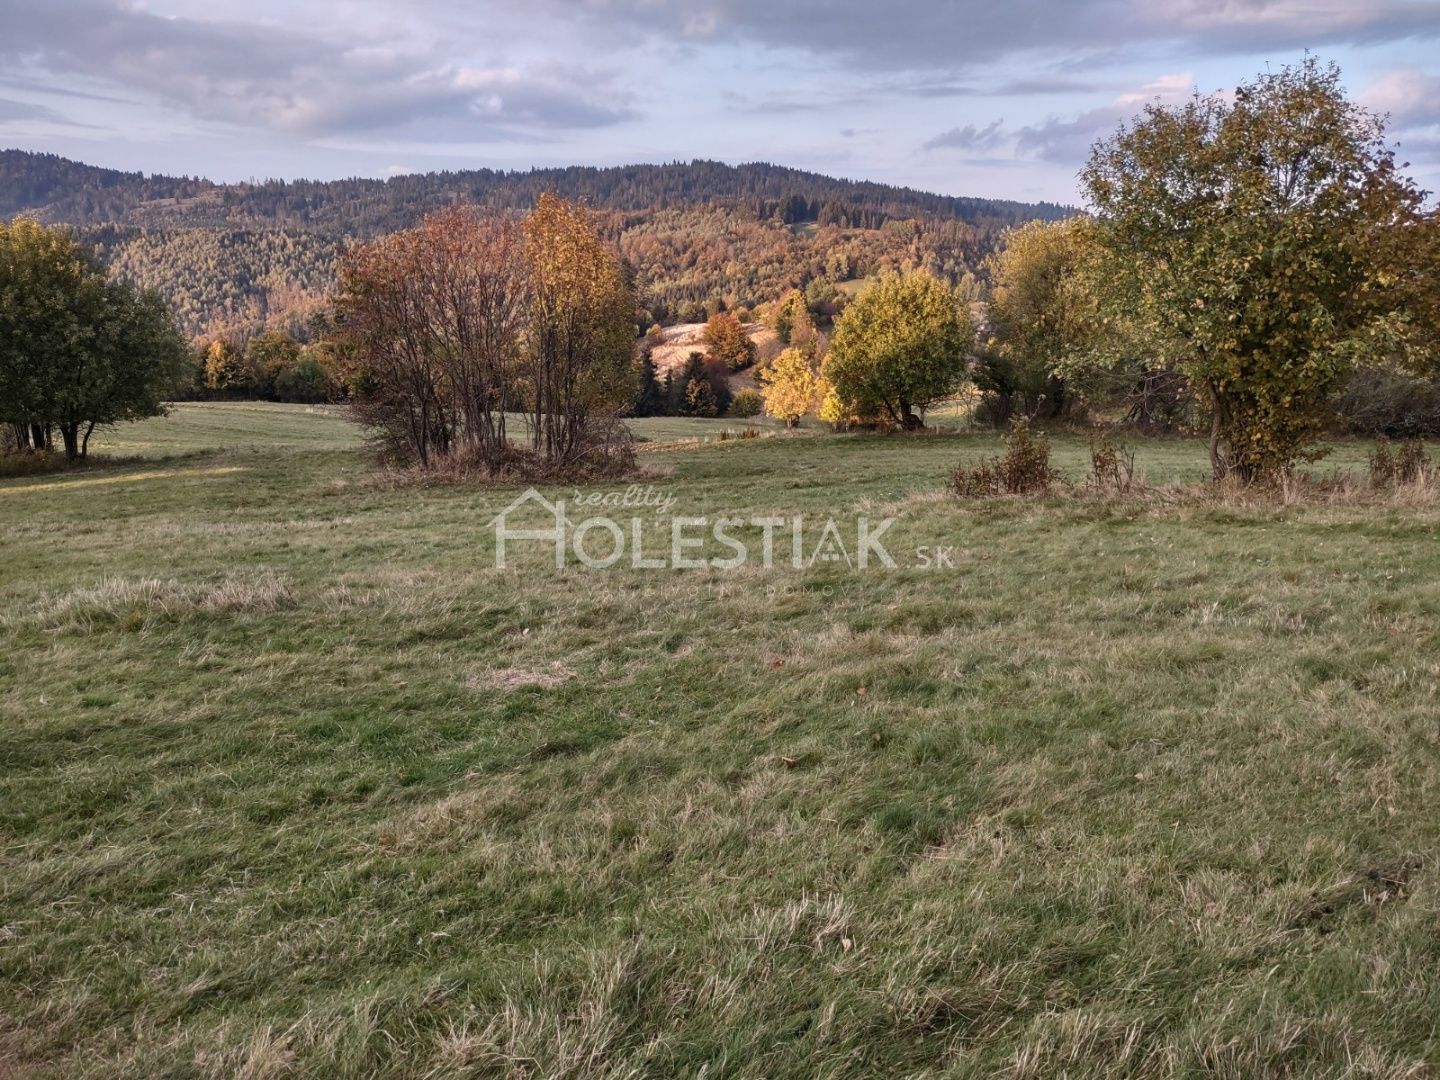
x: 1000, y: 99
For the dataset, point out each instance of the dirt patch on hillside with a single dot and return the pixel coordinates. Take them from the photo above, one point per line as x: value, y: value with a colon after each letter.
x: 678, y: 342
x: 557, y: 674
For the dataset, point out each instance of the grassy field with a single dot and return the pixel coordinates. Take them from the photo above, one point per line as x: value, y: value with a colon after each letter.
x: 294, y: 781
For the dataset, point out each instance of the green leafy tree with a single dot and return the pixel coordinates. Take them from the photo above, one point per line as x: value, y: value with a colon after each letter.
x: 747, y: 403
x: 268, y: 358
x: 1040, y: 312
x: 1263, y: 244
x: 77, y: 351
x: 901, y: 346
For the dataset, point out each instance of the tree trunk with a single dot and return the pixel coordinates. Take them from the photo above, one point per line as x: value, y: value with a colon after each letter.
x: 71, y: 434
x: 85, y: 441
x: 1218, y: 466
x: 908, y: 419
x: 40, y: 436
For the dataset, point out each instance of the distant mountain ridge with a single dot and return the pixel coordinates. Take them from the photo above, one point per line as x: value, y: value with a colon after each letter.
x: 57, y: 189
x: 234, y: 258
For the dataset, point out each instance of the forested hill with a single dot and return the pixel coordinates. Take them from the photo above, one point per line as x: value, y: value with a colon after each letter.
x: 698, y: 234
x: 56, y: 189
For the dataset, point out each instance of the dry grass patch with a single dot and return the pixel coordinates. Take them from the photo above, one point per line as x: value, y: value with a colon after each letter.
x: 137, y: 603
x: 514, y: 678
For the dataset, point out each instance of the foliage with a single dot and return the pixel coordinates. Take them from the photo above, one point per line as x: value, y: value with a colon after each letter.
x: 1383, y: 400
x: 831, y: 409
x: 224, y: 366
x: 902, y: 345
x: 790, y: 386
x: 727, y: 341
x: 1262, y: 245
x: 1389, y: 468
x: 77, y: 351
x: 650, y: 401
x: 1041, y: 312
x: 699, y: 399
x: 747, y: 403
x: 1112, y: 465
x: 788, y: 313
x: 237, y: 259
x: 701, y: 389
x: 578, y: 355
x: 1024, y: 470
x: 428, y: 335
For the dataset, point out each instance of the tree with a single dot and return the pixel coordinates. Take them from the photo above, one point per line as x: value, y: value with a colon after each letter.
x: 579, y: 336
x: 77, y: 351
x: 832, y: 410
x: 305, y: 381
x: 789, y: 387
x: 1040, y: 313
x: 747, y: 403
x: 901, y: 346
x: 718, y: 374
x: 1263, y: 245
x: 650, y: 401
x: 703, y: 384
x: 791, y: 311
x: 726, y: 341
x: 268, y: 357
x: 700, y: 399
x: 430, y: 338
x: 225, y: 368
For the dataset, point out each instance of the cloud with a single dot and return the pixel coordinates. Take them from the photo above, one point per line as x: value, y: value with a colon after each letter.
x: 972, y: 35
x: 1411, y: 100
x: 23, y: 110
x: 1060, y: 140
x: 970, y: 138
x: 295, y: 83
x: 1068, y: 141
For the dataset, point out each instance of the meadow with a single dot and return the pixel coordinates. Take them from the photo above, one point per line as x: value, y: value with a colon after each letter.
x: 295, y: 782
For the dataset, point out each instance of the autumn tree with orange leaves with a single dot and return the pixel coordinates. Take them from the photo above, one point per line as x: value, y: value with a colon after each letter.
x: 448, y: 330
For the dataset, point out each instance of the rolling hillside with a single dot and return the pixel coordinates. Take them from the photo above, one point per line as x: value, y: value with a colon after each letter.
x: 231, y: 258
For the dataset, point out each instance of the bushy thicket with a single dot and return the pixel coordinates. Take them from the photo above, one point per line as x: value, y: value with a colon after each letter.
x: 1023, y: 470
x: 1383, y: 401
x: 444, y: 332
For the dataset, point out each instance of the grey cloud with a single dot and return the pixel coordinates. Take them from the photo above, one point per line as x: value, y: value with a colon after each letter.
x: 1060, y: 140
x: 970, y: 138
x: 964, y: 35
x: 300, y: 84
x: 23, y: 110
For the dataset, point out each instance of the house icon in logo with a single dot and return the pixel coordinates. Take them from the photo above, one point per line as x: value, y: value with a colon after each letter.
x: 555, y: 532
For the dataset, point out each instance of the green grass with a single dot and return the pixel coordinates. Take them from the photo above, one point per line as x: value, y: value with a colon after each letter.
x: 294, y: 782
x: 200, y: 426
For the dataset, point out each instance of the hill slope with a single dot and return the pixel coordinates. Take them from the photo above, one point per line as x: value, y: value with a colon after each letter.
x: 698, y: 234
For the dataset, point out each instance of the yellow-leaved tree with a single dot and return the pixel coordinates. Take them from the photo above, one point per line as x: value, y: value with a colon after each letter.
x: 790, y: 386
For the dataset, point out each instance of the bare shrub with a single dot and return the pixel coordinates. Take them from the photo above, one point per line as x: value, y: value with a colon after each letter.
x: 1112, y: 465
x: 1024, y: 470
x: 1390, y: 468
